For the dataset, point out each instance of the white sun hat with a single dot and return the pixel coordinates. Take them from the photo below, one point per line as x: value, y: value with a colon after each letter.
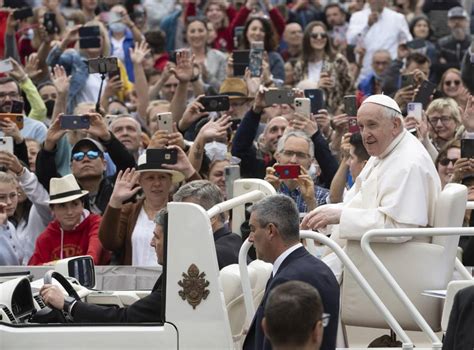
x: 64, y: 189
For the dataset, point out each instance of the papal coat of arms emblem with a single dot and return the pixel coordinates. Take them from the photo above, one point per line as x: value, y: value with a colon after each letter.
x: 194, y: 286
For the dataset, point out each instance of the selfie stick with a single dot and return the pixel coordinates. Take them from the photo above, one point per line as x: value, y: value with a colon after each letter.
x: 102, y: 71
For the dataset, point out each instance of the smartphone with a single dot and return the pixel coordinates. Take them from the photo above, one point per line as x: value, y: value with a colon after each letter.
x: 316, y: 97
x: 49, y: 22
x: 6, y: 144
x: 172, y: 57
x: 407, y: 79
x: 290, y: 171
x: 103, y: 65
x: 353, y: 126
x: 216, y: 103
x: 231, y: 173
x: 165, y: 122
x: 15, y: 118
x: 256, y: 58
x: 6, y: 66
x: 89, y: 43
x: 241, y: 60
x: 427, y: 88
x: 350, y: 105
x: 325, y: 67
x: 114, y: 17
x: 350, y: 54
x: 416, y: 44
x: 158, y: 156
x: 279, y: 96
x: 89, y: 31
x: 115, y: 73
x: 415, y: 110
x: 74, y: 122
x: 16, y: 107
x: 303, y: 106
x: 23, y: 13
x: 238, y: 32
x: 467, y: 148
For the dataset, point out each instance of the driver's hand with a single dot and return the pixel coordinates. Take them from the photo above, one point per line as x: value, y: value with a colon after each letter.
x: 52, y: 296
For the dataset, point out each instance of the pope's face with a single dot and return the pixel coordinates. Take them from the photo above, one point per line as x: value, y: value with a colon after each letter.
x: 377, y: 131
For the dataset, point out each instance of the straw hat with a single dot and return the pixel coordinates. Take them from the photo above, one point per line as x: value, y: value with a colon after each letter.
x: 235, y: 88
x: 64, y: 189
x: 143, y: 165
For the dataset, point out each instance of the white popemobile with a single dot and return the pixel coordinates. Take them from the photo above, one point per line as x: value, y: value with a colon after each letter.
x: 207, y: 309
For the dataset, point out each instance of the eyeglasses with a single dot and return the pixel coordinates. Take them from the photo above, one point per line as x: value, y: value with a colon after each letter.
x: 444, y: 120
x: 319, y: 36
x: 446, y: 161
x: 78, y: 156
x: 299, y: 155
x: 325, y: 319
x: 452, y: 82
x: 12, y: 95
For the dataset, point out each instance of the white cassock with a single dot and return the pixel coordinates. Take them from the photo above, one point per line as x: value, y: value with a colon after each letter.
x: 399, y: 189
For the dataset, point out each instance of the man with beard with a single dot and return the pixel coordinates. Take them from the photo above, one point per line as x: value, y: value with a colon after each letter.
x: 337, y: 24
x: 453, y: 46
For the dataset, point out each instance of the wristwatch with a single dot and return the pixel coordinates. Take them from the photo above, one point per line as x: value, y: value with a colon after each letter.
x: 68, y: 304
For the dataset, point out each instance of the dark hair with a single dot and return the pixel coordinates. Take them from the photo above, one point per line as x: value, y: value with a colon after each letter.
x: 157, y: 40
x: 45, y: 83
x: 270, y: 41
x: 291, y: 313
x: 308, y: 50
x: 6, y: 80
x: 333, y: 4
x: 418, y: 58
x: 359, y: 148
x: 415, y: 20
x: 443, y: 153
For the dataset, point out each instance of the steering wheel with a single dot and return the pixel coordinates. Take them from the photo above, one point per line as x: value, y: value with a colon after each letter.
x: 48, y: 279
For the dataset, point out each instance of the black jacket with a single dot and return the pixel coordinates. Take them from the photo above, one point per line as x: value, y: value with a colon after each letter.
x: 459, y: 335
x: 46, y: 169
x: 227, y: 247
x: 148, y: 309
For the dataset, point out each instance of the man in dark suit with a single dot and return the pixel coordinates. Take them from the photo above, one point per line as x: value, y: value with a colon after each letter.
x: 148, y: 309
x: 274, y: 226
x: 459, y: 335
x: 207, y: 195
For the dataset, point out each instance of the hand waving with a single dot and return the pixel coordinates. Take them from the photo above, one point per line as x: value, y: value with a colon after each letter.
x: 124, y: 187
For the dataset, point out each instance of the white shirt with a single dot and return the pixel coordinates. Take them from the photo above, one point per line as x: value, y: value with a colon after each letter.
x: 142, y: 253
x: 283, y: 256
x: 398, y: 189
x: 390, y: 30
x: 314, y: 71
x: 117, y: 45
x: 90, y: 91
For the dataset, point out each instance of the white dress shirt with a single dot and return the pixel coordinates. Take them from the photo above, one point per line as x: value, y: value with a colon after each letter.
x: 387, y: 33
x: 283, y: 256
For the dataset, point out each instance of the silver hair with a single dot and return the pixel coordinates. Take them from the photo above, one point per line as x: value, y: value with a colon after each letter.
x: 121, y: 116
x: 293, y: 133
x: 161, y: 217
x: 391, y: 113
x: 281, y: 211
x: 203, y: 192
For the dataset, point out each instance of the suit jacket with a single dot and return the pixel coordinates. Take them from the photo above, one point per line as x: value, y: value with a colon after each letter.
x: 227, y: 247
x: 459, y: 335
x: 300, y: 266
x: 147, y: 309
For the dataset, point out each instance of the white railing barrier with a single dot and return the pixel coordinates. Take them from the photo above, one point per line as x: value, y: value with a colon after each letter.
x: 419, y: 232
x: 234, y: 202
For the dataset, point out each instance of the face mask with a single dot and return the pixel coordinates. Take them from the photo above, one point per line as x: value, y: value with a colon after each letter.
x: 215, y: 150
x: 117, y: 27
x: 50, y: 107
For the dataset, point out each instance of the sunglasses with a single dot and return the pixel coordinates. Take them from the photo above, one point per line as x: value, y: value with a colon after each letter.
x: 452, y: 82
x: 319, y: 36
x: 446, y: 161
x: 78, y: 156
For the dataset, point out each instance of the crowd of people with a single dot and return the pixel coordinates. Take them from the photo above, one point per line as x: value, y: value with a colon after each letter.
x: 96, y: 189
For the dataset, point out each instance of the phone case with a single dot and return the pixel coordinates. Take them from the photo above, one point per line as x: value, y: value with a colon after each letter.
x: 6, y: 144
x: 5, y: 66
x: 279, y: 96
x: 231, y: 173
x: 316, y: 97
x: 353, y: 126
x: 89, y: 31
x: 407, y: 79
x: 467, y: 148
x: 89, y: 43
x: 165, y: 122
x: 15, y: 118
x: 241, y: 60
x: 74, y: 122
x: 350, y: 105
x: 217, y: 103
x: 255, y: 59
x: 415, y: 110
x: 156, y: 157
x: 425, y: 91
x: 303, y: 106
x: 287, y: 171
